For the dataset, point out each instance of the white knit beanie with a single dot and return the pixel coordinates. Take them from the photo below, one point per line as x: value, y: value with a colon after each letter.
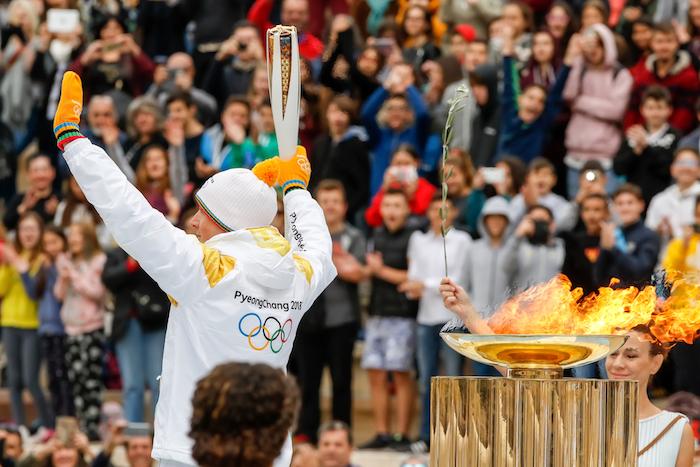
x: 237, y: 199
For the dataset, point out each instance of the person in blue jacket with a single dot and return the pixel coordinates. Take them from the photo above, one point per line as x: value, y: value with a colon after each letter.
x: 394, y: 114
x: 527, y: 115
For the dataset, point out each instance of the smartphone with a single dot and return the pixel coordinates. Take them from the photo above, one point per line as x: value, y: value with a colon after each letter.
x: 66, y: 428
x: 137, y: 430
x: 59, y: 20
x: 493, y: 175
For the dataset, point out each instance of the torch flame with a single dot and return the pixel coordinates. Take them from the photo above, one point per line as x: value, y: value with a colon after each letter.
x: 554, y: 308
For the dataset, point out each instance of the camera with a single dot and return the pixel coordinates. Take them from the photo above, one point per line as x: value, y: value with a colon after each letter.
x: 242, y: 46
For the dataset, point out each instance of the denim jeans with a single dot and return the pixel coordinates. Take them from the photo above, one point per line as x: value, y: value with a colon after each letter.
x: 140, y: 356
x: 23, y: 353
x: 432, y: 349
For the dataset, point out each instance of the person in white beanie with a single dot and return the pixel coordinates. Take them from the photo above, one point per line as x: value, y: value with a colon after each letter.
x: 238, y: 288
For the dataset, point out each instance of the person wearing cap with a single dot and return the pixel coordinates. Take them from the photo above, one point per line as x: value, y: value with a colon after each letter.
x: 238, y: 288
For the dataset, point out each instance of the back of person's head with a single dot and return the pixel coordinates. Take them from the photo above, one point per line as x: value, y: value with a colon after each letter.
x: 242, y: 415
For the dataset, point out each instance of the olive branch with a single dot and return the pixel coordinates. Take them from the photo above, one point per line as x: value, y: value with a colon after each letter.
x: 457, y: 104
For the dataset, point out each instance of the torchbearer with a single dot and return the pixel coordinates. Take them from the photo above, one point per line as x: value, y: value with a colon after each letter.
x: 238, y: 288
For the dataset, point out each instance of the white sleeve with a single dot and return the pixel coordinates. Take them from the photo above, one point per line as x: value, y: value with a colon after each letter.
x: 170, y: 256
x: 306, y: 230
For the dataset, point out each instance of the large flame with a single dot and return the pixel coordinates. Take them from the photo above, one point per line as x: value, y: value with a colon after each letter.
x: 554, y: 308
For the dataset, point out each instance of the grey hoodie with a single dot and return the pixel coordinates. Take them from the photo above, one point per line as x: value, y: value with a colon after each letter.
x: 488, y: 278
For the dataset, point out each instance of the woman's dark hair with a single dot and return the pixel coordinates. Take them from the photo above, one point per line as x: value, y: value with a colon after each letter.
x: 518, y: 171
x: 104, y: 21
x: 242, y: 415
x: 427, y: 17
x: 573, y: 25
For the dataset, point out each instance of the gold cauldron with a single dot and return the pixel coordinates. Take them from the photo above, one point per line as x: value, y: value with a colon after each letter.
x: 533, y: 417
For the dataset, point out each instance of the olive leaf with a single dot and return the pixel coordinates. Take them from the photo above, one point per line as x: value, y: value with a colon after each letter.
x: 457, y: 104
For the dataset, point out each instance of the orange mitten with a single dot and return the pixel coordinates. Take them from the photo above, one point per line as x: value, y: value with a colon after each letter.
x: 67, y: 119
x: 295, y: 172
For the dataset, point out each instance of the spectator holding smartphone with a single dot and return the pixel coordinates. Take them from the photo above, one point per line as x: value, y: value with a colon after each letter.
x: 114, y: 64
x: 394, y: 114
x: 137, y: 445
x: 402, y: 174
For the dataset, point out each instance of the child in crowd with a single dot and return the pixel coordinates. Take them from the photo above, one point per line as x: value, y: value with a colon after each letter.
x: 425, y: 270
x: 19, y: 318
x: 537, y: 190
x: 672, y: 209
x: 488, y: 279
x: 597, y: 90
x: 51, y: 331
x: 533, y: 255
x: 80, y: 287
x: 528, y: 115
x: 402, y: 174
x: 629, y: 251
x: 646, y: 154
x: 390, y: 341
x: 583, y: 246
x: 394, y: 114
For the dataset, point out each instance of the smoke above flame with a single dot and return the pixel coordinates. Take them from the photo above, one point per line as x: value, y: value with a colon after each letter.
x: 555, y: 308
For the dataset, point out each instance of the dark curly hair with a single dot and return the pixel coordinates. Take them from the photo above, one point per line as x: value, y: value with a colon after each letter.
x: 242, y: 415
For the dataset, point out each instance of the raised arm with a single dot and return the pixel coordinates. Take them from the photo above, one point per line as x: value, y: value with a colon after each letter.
x: 304, y: 224
x: 171, y: 257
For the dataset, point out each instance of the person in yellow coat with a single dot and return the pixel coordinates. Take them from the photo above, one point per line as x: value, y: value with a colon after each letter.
x: 238, y: 288
x: 682, y: 260
x: 683, y: 255
x: 19, y: 317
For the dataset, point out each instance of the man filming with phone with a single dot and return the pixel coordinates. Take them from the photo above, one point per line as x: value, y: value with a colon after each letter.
x: 137, y: 440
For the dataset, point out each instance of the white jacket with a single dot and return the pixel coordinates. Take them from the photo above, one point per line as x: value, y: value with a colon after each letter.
x: 237, y: 297
x: 677, y: 206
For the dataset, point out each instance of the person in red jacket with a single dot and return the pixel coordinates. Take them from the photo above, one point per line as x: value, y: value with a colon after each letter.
x: 402, y: 173
x: 294, y: 13
x: 670, y: 67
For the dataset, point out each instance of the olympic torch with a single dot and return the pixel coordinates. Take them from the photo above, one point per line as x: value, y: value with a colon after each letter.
x: 285, y: 86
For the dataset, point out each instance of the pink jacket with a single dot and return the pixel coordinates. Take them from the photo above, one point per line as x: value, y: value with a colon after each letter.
x: 598, y: 100
x: 83, y: 296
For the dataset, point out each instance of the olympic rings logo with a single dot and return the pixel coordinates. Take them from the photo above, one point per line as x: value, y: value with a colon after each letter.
x: 274, y: 334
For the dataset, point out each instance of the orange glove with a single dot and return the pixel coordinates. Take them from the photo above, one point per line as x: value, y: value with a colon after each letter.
x: 67, y: 119
x: 295, y: 172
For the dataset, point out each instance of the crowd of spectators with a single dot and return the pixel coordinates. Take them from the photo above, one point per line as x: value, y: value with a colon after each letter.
x: 577, y: 153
